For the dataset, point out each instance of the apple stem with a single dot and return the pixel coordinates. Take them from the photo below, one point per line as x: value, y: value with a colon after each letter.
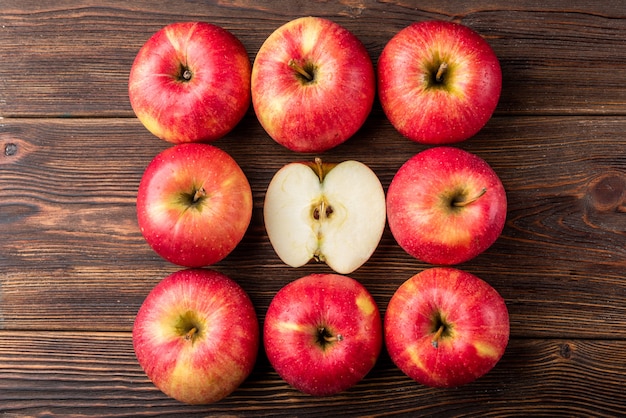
x: 338, y: 337
x: 187, y: 75
x: 323, y: 209
x: 327, y: 337
x: 300, y: 70
x: 437, y: 336
x: 199, y: 194
x: 320, y: 168
x: 191, y: 333
x: 463, y: 203
x: 440, y: 72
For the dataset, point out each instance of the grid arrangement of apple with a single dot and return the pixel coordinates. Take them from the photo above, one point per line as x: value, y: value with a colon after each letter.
x: 438, y: 83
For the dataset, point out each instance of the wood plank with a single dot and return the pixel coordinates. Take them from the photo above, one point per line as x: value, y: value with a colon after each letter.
x: 67, y: 374
x: 72, y: 59
x: 69, y: 243
x: 74, y: 267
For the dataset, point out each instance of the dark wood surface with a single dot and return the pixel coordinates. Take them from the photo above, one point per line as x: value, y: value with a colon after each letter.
x: 74, y: 268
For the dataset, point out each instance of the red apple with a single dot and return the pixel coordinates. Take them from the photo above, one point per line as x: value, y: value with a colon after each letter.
x: 446, y: 206
x: 194, y: 204
x: 445, y: 327
x: 313, y: 84
x: 323, y: 333
x: 190, y: 82
x: 438, y: 82
x: 196, y: 336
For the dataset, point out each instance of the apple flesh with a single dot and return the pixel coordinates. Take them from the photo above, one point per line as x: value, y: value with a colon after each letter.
x: 323, y: 333
x: 190, y: 82
x: 194, y: 204
x: 446, y: 206
x: 445, y: 327
x: 196, y: 336
x: 333, y: 213
x: 313, y: 84
x: 438, y: 82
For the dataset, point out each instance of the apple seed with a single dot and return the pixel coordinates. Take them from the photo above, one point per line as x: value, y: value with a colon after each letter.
x: 323, y: 210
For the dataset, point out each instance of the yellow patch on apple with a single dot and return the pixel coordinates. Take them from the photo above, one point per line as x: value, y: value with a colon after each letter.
x: 486, y: 350
x: 365, y: 304
x: 414, y: 354
x: 288, y: 326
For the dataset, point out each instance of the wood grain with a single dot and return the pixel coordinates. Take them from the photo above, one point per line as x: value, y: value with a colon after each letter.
x: 67, y: 198
x: 73, y: 59
x: 77, y: 373
x: 74, y: 268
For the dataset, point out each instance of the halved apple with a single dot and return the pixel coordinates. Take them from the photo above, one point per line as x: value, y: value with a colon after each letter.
x: 332, y: 213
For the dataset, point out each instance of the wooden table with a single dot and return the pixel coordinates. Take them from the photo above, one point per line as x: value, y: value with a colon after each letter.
x: 74, y: 267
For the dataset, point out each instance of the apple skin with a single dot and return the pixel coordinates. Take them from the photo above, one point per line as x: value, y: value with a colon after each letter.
x: 332, y: 213
x: 345, y: 311
x: 445, y: 112
x: 316, y: 115
x: 425, y: 212
x: 476, y: 327
x: 188, y: 233
x: 205, y: 365
x: 204, y: 107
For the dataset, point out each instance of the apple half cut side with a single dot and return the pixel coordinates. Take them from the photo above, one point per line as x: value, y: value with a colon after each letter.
x: 196, y: 336
x: 445, y: 327
x: 332, y: 213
